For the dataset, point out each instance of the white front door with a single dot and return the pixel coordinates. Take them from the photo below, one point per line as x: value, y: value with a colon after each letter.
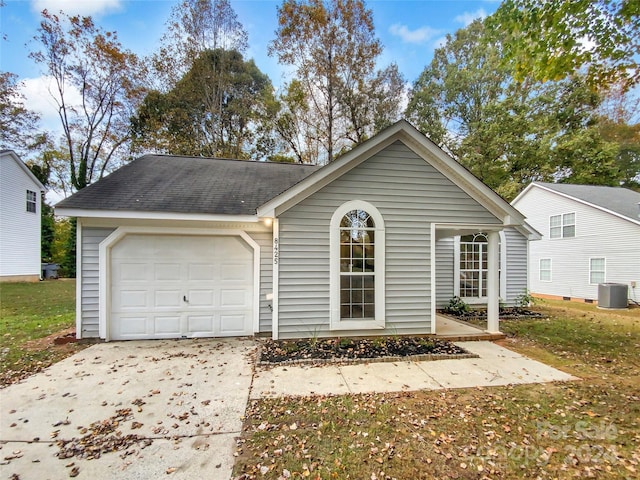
x: 166, y: 286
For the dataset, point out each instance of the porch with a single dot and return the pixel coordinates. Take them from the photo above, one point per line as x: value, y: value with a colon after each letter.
x: 448, y: 328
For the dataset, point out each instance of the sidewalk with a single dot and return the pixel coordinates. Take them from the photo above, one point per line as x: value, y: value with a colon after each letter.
x: 496, y: 366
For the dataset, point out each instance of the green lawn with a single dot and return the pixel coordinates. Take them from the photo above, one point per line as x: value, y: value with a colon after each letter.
x: 587, y: 428
x: 31, y: 311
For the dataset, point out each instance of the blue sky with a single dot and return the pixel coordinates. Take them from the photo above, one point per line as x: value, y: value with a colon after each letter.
x: 410, y: 30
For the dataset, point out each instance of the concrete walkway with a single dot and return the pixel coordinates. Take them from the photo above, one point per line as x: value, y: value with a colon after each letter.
x: 496, y: 366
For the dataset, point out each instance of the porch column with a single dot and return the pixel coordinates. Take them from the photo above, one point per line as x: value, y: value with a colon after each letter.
x: 493, y: 284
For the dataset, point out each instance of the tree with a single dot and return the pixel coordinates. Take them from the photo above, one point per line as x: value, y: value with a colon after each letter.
x: 217, y: 109
x: 195, y: 26
x: 83, y: 60
x: 509, y: 133
x: 554, y: 39
x: 333, y: 47
x: 18, y: 125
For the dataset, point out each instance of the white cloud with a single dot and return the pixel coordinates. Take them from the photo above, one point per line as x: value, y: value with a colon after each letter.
x: 38, y: 98
x: 419, y: 35
x: 468, y: 17
x: 77, y: 7
x: 440, y: 42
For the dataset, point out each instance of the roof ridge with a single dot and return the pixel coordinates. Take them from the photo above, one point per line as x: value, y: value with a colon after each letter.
x: 195, y: 157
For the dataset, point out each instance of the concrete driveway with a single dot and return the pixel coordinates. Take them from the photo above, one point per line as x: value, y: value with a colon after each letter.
x: 186, y: 397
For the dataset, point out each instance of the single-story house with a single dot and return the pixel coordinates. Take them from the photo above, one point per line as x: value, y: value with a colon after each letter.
x: 172, y: 247
x: 20, y: 220
x: 590, y: 235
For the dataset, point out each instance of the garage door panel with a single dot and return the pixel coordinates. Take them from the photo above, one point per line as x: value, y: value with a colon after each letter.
x: 133, y: 326
x: 132, y: 272
x: 201, y: 298
x: 132, y: 299
x: 233, y: 298
x: 153, y: 275
x: 167, y: 325
x: 201, y: 273
x: 167, y: 298
x: 167, y: 272
x: 200, y: 325
x: 233, y: 324
x: 234, y: 272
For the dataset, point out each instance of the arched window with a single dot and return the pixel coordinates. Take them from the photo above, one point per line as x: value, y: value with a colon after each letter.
x: 357, y: 267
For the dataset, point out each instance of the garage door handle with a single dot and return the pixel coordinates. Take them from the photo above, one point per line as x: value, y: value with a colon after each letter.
x: 184, y: 297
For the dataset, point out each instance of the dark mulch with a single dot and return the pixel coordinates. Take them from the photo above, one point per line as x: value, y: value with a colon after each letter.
x: 508, y: 313
x: 278, y: 351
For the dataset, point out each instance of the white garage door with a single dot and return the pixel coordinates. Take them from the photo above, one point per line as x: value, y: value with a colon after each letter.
x: 165, y: 286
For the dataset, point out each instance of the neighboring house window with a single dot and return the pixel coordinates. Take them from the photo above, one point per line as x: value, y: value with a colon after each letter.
x: 545, y: 269
x: 597, y: 270
x: 31, y: 201
x: 357, y: 267
x: 562, y: 226
x: 473, y: 265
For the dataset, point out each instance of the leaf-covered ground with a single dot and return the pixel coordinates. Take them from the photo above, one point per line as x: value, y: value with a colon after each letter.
x: 277, y: 351
x: 588, y: 428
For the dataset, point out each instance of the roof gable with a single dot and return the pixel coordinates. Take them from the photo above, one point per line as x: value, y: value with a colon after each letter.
x: 404, y: 132
x: 10, y: 154
x: 618, y: 201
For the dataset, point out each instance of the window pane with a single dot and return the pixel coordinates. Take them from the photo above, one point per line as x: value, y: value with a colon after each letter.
x: 597, y: 264
x: 569, y: 231
x: 555, y: 221
x: 555, y: 232
x: 569, y: 219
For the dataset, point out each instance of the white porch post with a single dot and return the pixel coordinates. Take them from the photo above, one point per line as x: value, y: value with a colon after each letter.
x: 493, y: 284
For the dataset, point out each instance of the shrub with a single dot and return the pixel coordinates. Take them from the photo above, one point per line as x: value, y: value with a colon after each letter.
x: 456, y: 306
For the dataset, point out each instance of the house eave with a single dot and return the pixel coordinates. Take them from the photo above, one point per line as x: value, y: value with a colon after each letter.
x: 142, y: 215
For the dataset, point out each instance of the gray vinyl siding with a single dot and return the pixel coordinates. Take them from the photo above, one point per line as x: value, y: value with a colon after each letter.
x: 445, y: 270
x: 91, y: 238
x: 410, y: 195
x: 516, y: 251
x: 599, y: 234
x: 265, y: 240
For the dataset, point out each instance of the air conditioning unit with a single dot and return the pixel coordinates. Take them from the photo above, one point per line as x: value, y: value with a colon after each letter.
x: 612, y: 295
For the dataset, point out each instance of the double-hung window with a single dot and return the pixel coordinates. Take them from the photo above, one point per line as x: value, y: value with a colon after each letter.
x: 597, y: 270
x: 545, y: 270
x: 562, y: 226
x: 31, y: 201
x: 357, y: 267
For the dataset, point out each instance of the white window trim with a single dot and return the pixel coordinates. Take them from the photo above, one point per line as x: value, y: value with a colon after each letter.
x: 604, y: 270
x: 33, y: 202
x: 336, y: 323
x: 562, y: 225
x: 550, y: 270
x: 503, y: 270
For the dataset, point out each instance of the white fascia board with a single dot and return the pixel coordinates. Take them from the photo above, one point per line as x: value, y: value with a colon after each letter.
x: 141, y: 215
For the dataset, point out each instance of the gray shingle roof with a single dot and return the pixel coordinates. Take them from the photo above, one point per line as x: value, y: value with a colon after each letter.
x: 166, y: 183
x: 616, y: 199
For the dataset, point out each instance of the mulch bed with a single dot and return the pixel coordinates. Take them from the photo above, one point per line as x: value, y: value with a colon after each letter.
x: 357, y: 350
x: 509, y: 313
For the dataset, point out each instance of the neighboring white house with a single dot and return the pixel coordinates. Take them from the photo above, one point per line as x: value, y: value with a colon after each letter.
x: 172, y: 247
x: 20, y: 204
x: 590, y: 235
